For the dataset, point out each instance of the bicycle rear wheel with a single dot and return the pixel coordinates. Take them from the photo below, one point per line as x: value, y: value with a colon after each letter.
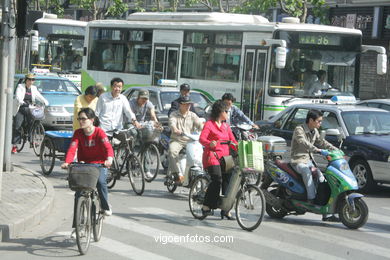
x: 196, y: 196
x: 150, y: 160
x: 23, y: 139
x: 47, y: 156
x: 136, y: 174
x: 97, y: 219
x: 83, y: 224
x: 250, y: 206
x: 37, y: 136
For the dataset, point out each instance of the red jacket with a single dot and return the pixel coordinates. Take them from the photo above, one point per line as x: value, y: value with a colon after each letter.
x: 90, y: 149
x: 211, y: 132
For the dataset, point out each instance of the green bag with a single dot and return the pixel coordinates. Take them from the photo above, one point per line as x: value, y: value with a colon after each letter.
x: 250, y: 155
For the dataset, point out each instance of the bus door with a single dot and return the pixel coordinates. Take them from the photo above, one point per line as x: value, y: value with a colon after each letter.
x: 253, y: 83
x: 166, y: 62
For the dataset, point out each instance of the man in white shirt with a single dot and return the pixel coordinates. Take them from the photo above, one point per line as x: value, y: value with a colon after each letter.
x: 111, y: 107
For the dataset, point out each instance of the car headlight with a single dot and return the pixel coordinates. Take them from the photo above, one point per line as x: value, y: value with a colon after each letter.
x: 55, y: 109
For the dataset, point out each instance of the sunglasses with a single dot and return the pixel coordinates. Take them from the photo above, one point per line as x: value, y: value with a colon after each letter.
x: 82, y: 118
x: 31, y: 79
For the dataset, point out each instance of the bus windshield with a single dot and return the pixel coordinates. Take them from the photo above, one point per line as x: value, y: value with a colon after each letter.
x: 316, y: 65
x: 60, y: 48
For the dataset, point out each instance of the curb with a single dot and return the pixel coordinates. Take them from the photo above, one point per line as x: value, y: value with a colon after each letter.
x: 33, y: 217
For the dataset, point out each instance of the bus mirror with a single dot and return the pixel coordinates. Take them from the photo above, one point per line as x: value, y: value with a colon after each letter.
x: 280, y: 61
x: 34, y: 40
x: 381, y: 64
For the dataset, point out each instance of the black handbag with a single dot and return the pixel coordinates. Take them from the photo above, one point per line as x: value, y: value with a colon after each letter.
x: 226, y: 162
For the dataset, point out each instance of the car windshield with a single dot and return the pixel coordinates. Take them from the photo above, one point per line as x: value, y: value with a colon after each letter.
x: 367, y: 122
x: 55, y: 86
x: 167, y: 98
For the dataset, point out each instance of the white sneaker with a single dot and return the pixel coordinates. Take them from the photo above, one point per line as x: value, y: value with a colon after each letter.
x: 107, y: 212
x: 149, y: 174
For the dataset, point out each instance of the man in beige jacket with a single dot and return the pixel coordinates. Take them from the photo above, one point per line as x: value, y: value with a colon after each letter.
x: 305, y: 142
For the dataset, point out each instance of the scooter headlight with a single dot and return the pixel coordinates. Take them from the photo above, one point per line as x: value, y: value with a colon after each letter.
x: 344, y: 166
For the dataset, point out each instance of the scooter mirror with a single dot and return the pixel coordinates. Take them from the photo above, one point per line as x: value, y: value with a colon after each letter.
x: 334, y: 132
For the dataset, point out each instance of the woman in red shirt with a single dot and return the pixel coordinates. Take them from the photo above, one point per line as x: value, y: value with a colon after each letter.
x: 92, y: 146
x: 215, y: 131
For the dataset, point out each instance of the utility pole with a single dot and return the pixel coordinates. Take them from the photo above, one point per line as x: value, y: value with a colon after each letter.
x: 10, y: 90
x: 5, y: 36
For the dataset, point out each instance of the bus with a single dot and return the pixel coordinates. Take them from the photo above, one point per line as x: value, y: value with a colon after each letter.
x: 60, y: 46
x: 267, y: 66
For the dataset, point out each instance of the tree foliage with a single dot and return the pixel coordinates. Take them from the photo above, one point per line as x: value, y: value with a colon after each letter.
x: 296, y: 8
x: 101, y: 9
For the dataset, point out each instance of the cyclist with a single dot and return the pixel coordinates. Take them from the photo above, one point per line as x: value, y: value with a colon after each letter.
x: 235, y: 115
x: 181, y: 121
x: 142, y: 107
x: 25, y: 95
x: 184, y: 92
x: 112, y: 106
x: 89, y: 99
x: 144, y: 111
x: 92, y: 146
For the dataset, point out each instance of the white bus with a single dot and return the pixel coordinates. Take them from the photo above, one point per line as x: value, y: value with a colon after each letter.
x: 60, y: 46
x: 267, y: 66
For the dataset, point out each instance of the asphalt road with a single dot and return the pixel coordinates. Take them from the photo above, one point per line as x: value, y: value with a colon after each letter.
x: 158, y: 225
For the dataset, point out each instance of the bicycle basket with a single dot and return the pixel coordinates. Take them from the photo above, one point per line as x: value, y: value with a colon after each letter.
x: 149, y: 134
x: 250, y: 155
x: 38, y: 113
x: 83, y: 177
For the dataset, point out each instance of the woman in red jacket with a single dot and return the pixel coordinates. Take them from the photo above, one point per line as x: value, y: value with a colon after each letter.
x: 215, y: 131
x: 92, y: 146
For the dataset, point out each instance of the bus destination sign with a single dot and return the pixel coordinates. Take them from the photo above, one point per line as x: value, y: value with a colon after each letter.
x: 319, y: 39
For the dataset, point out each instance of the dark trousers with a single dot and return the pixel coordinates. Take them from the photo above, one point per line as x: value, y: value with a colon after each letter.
x: 22, y: 115
x: 102, y: 190
x: 218, y: 179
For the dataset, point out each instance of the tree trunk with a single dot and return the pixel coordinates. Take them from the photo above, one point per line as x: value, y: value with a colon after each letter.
x: 220, y: 6
x: 304, y: 13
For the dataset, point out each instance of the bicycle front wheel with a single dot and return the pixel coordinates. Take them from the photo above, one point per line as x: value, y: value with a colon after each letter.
x: 150, y: 160
x: 83, y: 224
x: 136, y: 175
x: 250, y: 205
x: 37, y: 136
x: 97, y: 219
x: 47, y: 156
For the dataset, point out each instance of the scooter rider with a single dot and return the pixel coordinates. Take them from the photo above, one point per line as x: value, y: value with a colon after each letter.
x: 184, y: 92
x: 181, y: 121
x: 306, y: 140
x: 235, y: 115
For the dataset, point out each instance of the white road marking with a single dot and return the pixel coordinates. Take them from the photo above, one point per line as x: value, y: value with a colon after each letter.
x: 203, y: 248
x: 243, y: 235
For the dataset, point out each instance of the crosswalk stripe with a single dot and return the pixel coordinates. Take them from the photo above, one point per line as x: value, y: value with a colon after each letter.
x: 243, y: 235
x: 121, y: 249
x: 386, y: 208
x: 203, y: 248
x: 127, y: 251
x: 284, y: 227
x: 378, y: 217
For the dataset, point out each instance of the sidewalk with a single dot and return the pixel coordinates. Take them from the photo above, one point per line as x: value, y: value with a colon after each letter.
x: 26, y: 199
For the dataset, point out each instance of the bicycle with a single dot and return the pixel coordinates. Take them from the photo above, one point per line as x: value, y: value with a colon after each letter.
x: 125, y: 161
x: 33, y: 132
x: 149, y: 153
x: 83, y: 178
x: 249, y: 200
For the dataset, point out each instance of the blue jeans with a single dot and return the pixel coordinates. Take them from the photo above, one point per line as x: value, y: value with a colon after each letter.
x: 304, y: 169
x: 102, y: 190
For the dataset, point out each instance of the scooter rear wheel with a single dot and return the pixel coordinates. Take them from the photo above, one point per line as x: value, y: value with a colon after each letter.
x: 353, y: 219
x: 275, y: 212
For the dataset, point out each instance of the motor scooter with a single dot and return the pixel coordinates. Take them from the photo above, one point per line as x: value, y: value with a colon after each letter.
x: 190, y: 164
x: 285, y: 191
x: 244, y: 132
